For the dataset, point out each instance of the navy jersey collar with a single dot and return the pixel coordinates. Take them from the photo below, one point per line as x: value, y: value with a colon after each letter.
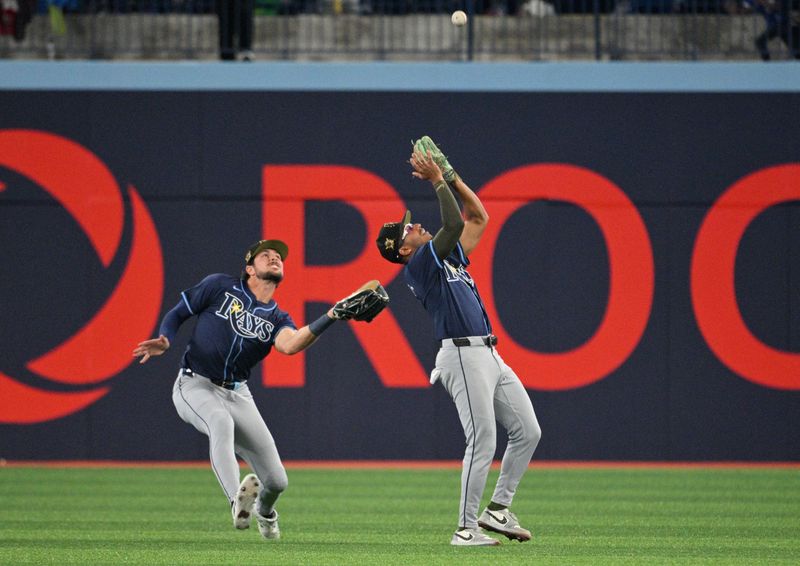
x: 246, y: 290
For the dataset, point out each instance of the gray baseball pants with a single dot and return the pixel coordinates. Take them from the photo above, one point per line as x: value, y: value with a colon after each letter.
x: 234, y: 426
x: 485, y: 391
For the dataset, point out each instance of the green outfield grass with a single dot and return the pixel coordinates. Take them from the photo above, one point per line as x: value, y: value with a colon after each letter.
x: 157, y: 516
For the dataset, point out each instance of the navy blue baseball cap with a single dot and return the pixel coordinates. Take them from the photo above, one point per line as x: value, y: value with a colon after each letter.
x: 390, y: 238
x: 261, y: 245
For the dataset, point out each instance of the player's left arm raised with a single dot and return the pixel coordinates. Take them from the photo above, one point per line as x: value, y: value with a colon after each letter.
x: 290, y: 341
x: 475, y: 216
x: 150, y: 348
x: 176, y: 316
x: 364, y: 304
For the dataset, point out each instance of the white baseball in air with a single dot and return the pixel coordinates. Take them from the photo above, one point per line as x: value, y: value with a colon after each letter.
x: 459, y: 18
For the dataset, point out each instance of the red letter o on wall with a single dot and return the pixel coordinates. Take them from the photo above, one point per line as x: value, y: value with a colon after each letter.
x: 713, y: 278
x: 630, y: 272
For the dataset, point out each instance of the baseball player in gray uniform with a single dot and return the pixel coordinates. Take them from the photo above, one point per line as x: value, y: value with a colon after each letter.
x: 484, y: 389
x: 238, y: 323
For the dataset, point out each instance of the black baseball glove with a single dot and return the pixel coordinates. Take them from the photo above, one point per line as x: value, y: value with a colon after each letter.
x: 365, y: 304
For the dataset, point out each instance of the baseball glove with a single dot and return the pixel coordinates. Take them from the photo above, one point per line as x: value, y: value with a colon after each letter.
x: 365, y: 304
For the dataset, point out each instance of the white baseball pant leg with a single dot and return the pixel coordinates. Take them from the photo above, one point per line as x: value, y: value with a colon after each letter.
x: 514, y: 411
x: 233, y: 425
x: 470, y: 375
x: 485, y: 390
x: 254, y: 443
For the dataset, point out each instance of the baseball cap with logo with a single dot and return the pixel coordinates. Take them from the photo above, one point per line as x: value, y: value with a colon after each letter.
x: 390, y: 238
x: 261, y: 245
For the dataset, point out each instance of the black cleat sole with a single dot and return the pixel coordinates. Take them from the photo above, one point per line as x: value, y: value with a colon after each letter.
x: 509, y: 536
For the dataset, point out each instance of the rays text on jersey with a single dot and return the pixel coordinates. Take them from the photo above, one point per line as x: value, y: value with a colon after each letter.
x: 243, y: 322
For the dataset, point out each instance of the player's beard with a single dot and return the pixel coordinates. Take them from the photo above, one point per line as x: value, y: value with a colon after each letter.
x: 270, y: 277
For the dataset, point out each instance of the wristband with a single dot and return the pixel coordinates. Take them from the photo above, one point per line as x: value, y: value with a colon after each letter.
x: 321, y: 324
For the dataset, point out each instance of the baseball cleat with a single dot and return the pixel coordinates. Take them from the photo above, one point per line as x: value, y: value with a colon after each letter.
x: 425, y: 145
x: 505, y: 523
x: 268, y: 526
x: 245, y: 498
x: 472, y: 537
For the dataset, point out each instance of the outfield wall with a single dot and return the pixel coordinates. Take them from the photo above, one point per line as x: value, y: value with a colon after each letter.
x: 642, y: 264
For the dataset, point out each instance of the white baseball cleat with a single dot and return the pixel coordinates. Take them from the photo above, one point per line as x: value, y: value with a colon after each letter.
x: 505, y: 523
x: 268, y: 526
x: 472, y: 537
x: 245, y: 498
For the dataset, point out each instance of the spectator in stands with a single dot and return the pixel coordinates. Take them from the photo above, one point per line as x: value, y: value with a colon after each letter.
x: 235, y: 29
x: 15, y: 15
x: 780, y: 23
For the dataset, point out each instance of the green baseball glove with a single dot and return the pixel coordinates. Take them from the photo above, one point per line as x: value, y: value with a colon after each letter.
x: 425, y: 145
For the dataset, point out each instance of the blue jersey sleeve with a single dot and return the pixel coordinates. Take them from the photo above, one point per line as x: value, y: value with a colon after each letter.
x: 420, y: 271
x: 458, y: 256
x: 203, y: 294
x: 284, y: 320
x: 173, y: 320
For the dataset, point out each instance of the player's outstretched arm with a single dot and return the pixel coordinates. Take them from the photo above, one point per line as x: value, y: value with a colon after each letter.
x: 166, y: 333
x: 425, y: 168
x: 290, y: 341
x: 364, y: 304
x: 475, y: 215
x: 445, y: 240
x: 152, y: 347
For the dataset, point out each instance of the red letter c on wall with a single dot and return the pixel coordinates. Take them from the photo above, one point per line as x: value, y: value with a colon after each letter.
x: 630, y: 271
x: 713, y: 278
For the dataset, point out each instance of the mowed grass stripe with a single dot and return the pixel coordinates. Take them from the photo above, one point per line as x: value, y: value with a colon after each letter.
x: 384, y: 516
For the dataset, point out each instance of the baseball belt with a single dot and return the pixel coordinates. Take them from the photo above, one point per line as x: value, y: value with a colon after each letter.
x: 489, y: 341
x: 231, y: 385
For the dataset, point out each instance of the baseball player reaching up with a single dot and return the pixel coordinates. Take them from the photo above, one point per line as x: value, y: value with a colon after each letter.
x: 468, y: 365
x: 238, y: 323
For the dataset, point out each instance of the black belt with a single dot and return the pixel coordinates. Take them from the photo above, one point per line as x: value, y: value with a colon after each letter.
x: 487, y: 341
x: 218, y: 382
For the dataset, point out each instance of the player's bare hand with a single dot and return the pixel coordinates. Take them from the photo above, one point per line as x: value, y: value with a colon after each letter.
x: 152, y: 347
x: 425, y: 167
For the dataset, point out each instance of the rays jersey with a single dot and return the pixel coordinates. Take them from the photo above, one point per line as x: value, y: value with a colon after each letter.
x: 234, y: 331
x: 447, y: 292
